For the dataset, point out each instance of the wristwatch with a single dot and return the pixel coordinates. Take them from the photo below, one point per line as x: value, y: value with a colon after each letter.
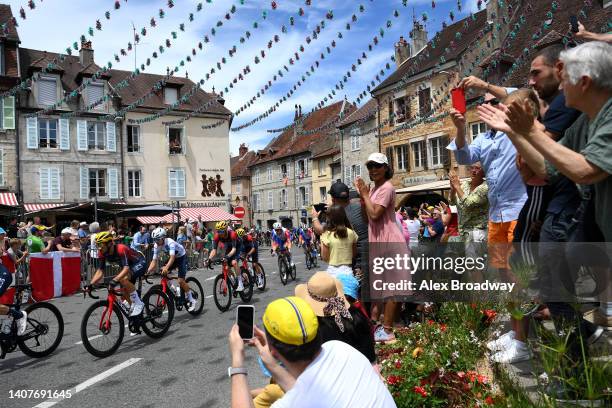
x: 231, y: 371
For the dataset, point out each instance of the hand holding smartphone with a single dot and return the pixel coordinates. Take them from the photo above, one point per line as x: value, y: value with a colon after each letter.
x: 245, y: 319
x: 458, y: 99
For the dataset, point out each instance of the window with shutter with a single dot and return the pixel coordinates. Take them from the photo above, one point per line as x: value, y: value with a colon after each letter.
x: 424, y: 101
x: 113, y: 183
x: 8, y: 112
x: 347, y: 175
x: 306, y: 196
x: 54, y: 183
x: 389, y: 154
x: 32, y: 132
x: 97, y: 182
x: 402, y: 157
x: 47, y: 91
x: 111, y: 137
x: 270, y: 200
x: 269, y: 173
x: 95, y: 93
x: 47, y: 133
x: 176, y: 183
x: 418, y: 155
x: 435, y: 152
x: 170, y: 95
x: 96, y: 135
x: 82, y: 135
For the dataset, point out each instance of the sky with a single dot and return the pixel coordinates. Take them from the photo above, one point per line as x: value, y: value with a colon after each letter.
x: 55, y: 24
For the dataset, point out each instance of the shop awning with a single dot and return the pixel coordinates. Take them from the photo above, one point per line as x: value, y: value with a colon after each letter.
x: 208, y: 214
x: 433, y: 186
x: 36, y: 207
x: 8, y: 199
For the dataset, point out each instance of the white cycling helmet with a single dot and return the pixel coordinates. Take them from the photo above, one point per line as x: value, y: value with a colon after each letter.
x: 158, y: 233
x: 277, y: 225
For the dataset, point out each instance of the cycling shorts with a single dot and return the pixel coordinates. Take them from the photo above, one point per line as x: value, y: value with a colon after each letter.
x: 5, y: 279
x: 138, y: 269
x: 254, y: 256
x: 180, y: 264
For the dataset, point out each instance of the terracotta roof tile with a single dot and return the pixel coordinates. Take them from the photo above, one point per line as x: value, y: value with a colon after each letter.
x: 240, y: 165
x: 366, y: 111
x: 6, y: 15
x: 429, y: 57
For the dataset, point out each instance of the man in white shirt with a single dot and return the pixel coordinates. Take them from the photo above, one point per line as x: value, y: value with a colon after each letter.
x: 332, y: 375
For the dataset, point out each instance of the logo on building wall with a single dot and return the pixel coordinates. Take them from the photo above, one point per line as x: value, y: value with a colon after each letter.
x: 211, y: 187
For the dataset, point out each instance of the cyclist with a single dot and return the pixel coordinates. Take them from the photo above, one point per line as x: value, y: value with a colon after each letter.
x: 248, y: 248
x: 281, y: 240
x: 132, y: 267
x: 178, y: 260
x: 5, y: 281
x: 305, y: 238
x: 224, y: 234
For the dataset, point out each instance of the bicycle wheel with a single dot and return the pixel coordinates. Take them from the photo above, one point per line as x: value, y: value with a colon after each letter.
x: 157, y: 313
x: 222, y: 293
x: 282, y: 270
x: 258, y: 268
x: 247, y: 291
x: 44, y: 331
x: 315, y: 261
x: 292, y: 272
x: 198, y: 294
x: 308, y: 262
x: 169, y: 294
x: 102, y: 335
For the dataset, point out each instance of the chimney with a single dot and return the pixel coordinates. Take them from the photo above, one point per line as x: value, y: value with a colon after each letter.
x: 298, y: 123
x: 495, y: 16
x: 86, y: 54
x: 402, y: 51
x: 295, y: 115
x: 419, y: 37
x: 242, y: 150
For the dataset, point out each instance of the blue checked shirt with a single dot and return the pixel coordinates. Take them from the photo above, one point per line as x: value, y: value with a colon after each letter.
x: 497, y: 155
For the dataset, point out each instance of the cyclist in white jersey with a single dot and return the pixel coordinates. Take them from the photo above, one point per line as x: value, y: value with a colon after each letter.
x: 178, y: 259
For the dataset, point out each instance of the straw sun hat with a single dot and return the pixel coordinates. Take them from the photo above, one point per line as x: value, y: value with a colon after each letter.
x: 325, y: 295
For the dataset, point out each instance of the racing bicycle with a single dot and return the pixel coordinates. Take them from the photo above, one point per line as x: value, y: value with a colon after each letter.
x: 44, y: 330
x: 284, y: 268
x: 226, y: 284
x: 178, y: 300
x: 256, y: 273
x: 311, y: 256
x: 102, y: 327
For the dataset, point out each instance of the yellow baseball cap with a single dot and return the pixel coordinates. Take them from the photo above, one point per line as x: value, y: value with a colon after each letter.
x: 431, y: 208
x: 291, y: 320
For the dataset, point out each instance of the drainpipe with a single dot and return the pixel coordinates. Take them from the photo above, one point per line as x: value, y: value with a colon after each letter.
x: 17, y: 153
x: 122, y: 166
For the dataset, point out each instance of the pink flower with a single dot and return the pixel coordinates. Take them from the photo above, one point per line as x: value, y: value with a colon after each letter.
x: 489, y: 400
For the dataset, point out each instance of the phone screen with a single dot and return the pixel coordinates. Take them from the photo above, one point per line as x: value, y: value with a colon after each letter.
x: 458, y: 99
x: 245, y: 319
x: 574, y: 23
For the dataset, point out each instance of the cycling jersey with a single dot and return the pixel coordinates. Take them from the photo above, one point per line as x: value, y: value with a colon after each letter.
x: 229, y: 241
x: 125, y: 256
x: 306, y: 235
x: 246, y: 244
x: 5, y: 279
x: 171, y: 247
x: 281, y: 239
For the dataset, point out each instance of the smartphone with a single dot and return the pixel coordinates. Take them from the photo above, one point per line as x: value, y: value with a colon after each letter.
x: 458, y: 98
x: 245, y: 319
x: 574, y: 23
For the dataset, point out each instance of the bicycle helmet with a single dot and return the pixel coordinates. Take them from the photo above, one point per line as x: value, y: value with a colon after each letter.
x: 221, y: 226
x: 103, y: 237
x: 240, y: 232
x: 158, y: 233
x: 277, y: 225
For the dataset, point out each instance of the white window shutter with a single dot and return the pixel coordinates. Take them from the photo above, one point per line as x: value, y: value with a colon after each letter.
x: 44, y: 183
x: 32, y: 132
x: 54, y: 184
x: 307, y: 201
x: 113, y: 183
x: 8, y: 113
x: 82, y: 135
x: 111, y: 140
x: 64, y: 134
x: 171, y: 183
x: 181, y: 183
x: 84, y: 184
x: 347, y: 175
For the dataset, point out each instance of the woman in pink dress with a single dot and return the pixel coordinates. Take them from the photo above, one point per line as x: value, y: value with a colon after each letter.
x: 385, y: 237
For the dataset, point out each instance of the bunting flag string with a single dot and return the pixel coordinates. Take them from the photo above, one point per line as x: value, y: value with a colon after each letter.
x: 123, y: 84
x: 22, y: 14
x: 214, y: 125
x: 192, y: 92
x: 26, y: 83
x: 276, y: 77
x: 138, y: 71
x: 300, y: 82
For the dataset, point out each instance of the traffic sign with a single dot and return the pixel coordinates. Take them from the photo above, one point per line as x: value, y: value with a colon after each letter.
x: 239, y: 212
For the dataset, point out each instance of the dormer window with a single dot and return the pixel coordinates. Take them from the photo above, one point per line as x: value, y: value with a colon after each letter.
x: 47, y: 91
x: 170, y: 95
x: 95, y: 93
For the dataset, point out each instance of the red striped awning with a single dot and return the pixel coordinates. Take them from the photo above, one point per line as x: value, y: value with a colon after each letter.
x: 208, y: 214
x: 34, y: 207
x: 8, y: 199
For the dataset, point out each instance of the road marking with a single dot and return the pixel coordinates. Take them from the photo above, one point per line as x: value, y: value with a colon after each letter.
x: 88, y: 383
x: 209, y: 296
x: 91, y: 338
x: 209, y: 279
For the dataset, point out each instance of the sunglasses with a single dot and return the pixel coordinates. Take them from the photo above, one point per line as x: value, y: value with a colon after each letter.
x: 492, y: 102
x: 374, y: 165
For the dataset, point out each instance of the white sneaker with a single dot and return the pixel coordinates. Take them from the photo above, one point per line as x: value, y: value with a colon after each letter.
x: 126, y: 305
x: 515, y: 353
x: 22, y: 324
x: 260, y: 282
x: 193, y: 305
x: 240, y: 285
x: 502, y: 341
x: 136, y: 308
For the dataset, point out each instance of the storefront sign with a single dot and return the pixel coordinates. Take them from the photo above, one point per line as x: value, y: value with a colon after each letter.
x: 191, y: 204
x: 416, y: 180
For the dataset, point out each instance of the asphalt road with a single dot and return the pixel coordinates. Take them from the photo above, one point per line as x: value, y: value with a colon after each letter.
x: 185, y: 368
